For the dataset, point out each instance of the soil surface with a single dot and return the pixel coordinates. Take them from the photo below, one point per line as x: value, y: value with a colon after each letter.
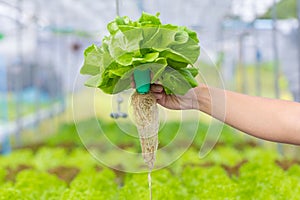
x: 13, y: 172
x: 246, y: 144
x: 286, y: 164
x: 234, y: 170
x: 66, y: 174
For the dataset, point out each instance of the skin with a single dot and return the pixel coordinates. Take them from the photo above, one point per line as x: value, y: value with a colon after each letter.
x: 268, y: 119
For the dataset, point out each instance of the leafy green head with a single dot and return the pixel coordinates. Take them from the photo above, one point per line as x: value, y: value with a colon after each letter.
x: 169, y: 51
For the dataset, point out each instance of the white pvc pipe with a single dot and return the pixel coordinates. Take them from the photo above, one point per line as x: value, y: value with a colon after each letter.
x: 29, y: 120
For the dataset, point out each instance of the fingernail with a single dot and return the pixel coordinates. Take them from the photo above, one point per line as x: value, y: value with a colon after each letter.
x: 157, y: 88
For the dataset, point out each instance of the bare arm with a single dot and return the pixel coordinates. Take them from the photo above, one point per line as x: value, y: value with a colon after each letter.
x: 269, y: 119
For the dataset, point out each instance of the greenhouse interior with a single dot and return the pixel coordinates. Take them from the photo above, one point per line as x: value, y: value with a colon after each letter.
x: 93, y: 94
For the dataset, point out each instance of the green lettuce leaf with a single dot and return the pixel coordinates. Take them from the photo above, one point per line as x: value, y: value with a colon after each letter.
x: 147, y: 19
x: 94, y: 81
x: 189, y: 50
x: 171, y: 79
x: 92, y: 60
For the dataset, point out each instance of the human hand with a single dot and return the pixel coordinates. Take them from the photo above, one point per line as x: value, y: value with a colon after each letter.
x: 176, y: 102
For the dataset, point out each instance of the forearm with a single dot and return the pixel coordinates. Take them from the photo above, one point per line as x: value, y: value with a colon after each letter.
x: 274, y: 120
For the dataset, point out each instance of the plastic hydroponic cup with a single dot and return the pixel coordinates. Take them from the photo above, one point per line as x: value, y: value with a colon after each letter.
x: 142, y: 80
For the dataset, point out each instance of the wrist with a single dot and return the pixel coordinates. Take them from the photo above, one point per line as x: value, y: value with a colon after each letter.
x: 203, y: 98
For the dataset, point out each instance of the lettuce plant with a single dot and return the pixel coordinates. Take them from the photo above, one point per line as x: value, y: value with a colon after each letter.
x: 169, y: 52
x: 33, y: 184
x: 260, y: 178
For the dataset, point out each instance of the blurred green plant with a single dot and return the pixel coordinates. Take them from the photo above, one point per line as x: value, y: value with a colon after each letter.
x: 285, y: 9
x: 236, y: 169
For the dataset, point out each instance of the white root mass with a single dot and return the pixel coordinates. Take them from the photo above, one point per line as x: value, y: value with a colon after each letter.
x: 145, y: 113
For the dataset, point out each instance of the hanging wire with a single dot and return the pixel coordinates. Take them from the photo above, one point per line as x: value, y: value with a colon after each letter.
x: 298, y: 14
x: 119, y: 113
x: 276, y: 61
x: 140, y: 4
x: 5, y: 141
x: 275, y: 50
x: 35, y: 76
x: 19, y: 81
x: 242, y: 69
x: 117, y: 8
x: 258, y: 56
